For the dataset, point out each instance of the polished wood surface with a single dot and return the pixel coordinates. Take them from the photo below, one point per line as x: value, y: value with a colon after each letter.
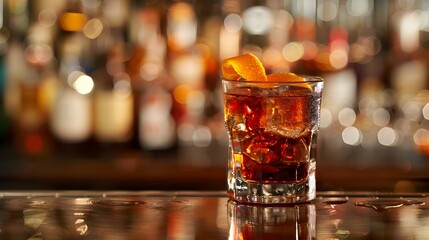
x: 209, y: 215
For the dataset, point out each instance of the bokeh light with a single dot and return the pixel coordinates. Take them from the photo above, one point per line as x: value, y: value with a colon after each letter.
x: 387, y: 136
x: 351, y: 136
x: 412, y: 111
x: 257, y: 20
x: 327, y: 10
x: 347, y: 117
x: 93, y: 28
x: 325, y: 118
x: 72, y: 22
x: 233, y: 23
x: 293, y: 51
x: 421, y: 137
x: 47, y: 17
x: 338, y: 58
x: 185, y: 132
x: 202, y: 136
x: 83, y: 84
x: 181, y: 93
x: 425, y: 111
x: 358, y: 7
x: 381, y: 117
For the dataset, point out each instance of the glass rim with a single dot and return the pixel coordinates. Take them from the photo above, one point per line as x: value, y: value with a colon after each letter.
x: 307, y: 79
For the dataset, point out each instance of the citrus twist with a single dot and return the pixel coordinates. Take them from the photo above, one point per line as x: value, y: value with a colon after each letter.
x: 288, y: 77
x: 248, y: 67
x: 245, y: 66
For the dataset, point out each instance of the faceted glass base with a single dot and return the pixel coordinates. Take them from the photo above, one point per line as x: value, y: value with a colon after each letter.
x: 272, y: 193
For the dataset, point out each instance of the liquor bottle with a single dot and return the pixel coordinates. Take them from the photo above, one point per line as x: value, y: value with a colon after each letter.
x: 11, y: 50
x: 113, y: 98
x: 71, y: 115
x: 31, y: 126
x: 187, y: 68
x: 71, y: 118
x: 408, y: 74
x: 113, y: 95
x: 157, y: 128
x: 31, y: 116
x: 155, y: 125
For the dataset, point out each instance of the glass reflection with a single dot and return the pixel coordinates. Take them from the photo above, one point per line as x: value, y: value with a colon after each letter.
x: 271, y: 222
x: 187, y: 215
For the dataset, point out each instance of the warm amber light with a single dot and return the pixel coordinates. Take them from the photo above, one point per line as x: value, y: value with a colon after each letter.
x: 181, y: 93
x: 181, y: 11
x: 293, y: 51
x: 72, y: 22
x: 338, y: 58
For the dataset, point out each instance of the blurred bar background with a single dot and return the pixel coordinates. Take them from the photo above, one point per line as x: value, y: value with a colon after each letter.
x: 106, y: 94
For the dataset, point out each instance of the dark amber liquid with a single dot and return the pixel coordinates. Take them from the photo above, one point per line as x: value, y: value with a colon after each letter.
x: 270, y: 136
x: 291, y: 172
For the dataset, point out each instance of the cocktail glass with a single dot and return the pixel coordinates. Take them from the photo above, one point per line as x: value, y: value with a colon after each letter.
x: 272, y: 128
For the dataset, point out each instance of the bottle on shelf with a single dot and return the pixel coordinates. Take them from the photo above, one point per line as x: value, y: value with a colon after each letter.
x: 33, y: 88
x: 155, y: 125
x: 71, y: 117
x: 71, y: 114
x: 113, y: 98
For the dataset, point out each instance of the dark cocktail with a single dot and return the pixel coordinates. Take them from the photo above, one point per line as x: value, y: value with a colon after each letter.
x: 272, y: 127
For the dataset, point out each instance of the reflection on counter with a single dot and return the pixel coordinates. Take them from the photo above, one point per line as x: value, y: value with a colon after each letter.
x: 90, y: 81
x: 207, y: 215
x: 272, y: 222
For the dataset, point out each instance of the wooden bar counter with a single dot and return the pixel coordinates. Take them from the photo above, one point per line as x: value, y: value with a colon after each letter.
x: 209, y: 215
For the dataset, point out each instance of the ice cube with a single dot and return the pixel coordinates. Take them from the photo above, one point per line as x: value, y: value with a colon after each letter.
x: 244, y: 109
x: 289, y: 117
x: 262, y: 155
x: 239, y: 134
x: 261, y: 148
x: 295, y: 150
x: 253, y: 113
x: 252, y: 169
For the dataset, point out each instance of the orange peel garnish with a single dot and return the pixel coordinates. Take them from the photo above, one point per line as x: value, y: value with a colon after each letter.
x: 288, y: 77
x: 245, y: 66
x: 248, y: 67
x: 284, y: 77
